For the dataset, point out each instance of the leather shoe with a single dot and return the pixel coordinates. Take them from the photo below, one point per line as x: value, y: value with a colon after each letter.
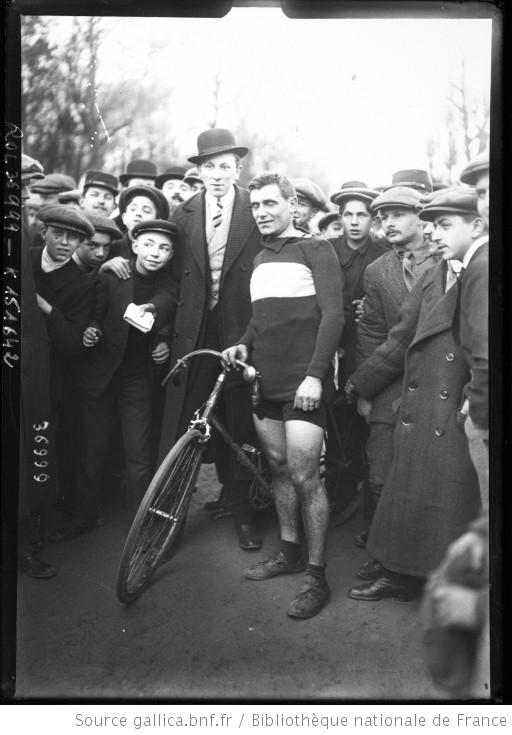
x: 248, y: 539
x: 361, y: 539
x: 272, y: 567
x: 371, y: 569
x: 312, y: 597
x: 34, y: 567
x: 385, y: 587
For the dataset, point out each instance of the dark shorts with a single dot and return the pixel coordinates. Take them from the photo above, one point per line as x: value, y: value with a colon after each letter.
x: 284, y: 411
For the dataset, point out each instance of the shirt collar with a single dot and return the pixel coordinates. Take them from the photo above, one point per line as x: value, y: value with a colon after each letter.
x: 226, y: 201
x: 277, y: 243
x: 472, y: 250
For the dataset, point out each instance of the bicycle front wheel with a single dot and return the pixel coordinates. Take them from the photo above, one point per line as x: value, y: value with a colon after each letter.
x: 160, y: 517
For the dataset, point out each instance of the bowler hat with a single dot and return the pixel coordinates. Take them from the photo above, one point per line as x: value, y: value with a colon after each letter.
x: 214, y: 141
x: 415, y: 178
x: 67, y: 218
x: 140, y: 168
x: 54, y: 183
x: 397, y: 196
x: 156, y: 225
x: 192, y: 175
x: 155, y: 195
x: 173, y: 172
x: 456, y: 200
x: 353, y: 190
x: 310, y: 191
x: 475, y: 168
x: 105, y: 224
x: 101, y: 179
x: 324, y: 222
x: 73, y: 195
x: 30, y: 168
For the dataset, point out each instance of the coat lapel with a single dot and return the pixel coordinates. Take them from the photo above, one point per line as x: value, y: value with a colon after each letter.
x: 242, y: 225
x: 193, y: 221
x: 438, y: 307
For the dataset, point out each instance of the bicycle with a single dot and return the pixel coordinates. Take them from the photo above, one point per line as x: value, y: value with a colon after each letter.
x: 159, y: 522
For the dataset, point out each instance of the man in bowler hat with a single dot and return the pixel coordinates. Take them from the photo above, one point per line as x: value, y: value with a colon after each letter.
x: 220, y: 241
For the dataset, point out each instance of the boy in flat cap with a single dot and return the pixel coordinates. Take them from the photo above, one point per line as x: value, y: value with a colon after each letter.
x: 431, y: 491
x: 387, y: 281
x: 51, y: 186
x: 355, y: 249
x: 220, y: 242
x: 93, y: 252
x: 65, y: 296
x: 310, y: 201
x: 117, y: 374
x: 99, y: 193
x: 330, y: 225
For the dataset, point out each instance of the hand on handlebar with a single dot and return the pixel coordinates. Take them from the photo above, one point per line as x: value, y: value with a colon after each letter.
x: 232, y: 354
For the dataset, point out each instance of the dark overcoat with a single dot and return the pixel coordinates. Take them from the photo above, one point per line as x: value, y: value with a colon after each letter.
x: 113, y: 295
x: 244, y: 241
x: 385, y: 290
x: 474, y: 333
x: 431, y: 492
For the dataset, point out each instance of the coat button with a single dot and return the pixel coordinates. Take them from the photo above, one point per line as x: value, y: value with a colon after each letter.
x: 247, y: 298
x: 186, y: 272
x: 243, y: 267
x: 406, y: 421
x: 180, y: 302
x: 450, y: 356
x: 443, y: 394
x: 412, y: 386
x: 175, y: 334
x: 439, y: 431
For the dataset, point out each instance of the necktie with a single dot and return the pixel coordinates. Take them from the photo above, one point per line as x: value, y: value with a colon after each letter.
x: 456, y: 313
x: 408, y: 263
x: 217, y: 217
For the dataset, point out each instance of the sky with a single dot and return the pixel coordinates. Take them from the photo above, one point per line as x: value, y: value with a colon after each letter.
x: 362, y: 97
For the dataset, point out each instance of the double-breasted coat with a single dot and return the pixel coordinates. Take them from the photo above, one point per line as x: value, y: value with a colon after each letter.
x: 234, y: 308
x: 431, y: 492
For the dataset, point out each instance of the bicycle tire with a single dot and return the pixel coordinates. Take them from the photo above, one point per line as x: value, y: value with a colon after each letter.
x: 160, y: 517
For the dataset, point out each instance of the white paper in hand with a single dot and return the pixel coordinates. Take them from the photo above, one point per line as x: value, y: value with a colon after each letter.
x: 133, y: 316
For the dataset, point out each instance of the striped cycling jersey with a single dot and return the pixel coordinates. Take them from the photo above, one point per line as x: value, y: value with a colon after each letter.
x: 297, y: 313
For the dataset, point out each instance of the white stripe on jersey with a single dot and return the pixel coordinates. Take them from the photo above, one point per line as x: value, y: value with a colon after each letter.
x: 281, y: 280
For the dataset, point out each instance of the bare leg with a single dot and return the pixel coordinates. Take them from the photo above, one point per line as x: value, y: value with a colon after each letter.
x: 272, y: 437
x: 303, y: 448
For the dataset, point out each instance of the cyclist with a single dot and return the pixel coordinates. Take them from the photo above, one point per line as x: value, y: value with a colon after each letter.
x: 296, y: 324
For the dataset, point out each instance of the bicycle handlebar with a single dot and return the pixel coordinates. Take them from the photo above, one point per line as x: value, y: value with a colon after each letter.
x: 250, y: 373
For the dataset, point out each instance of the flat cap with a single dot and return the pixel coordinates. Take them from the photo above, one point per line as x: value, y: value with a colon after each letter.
x: 54, y: 183
x: 475, y: 168
x: 156, y: 225
x: 101, y: 179
x: 312, y: 192
x: 353, y: 190
x: 397, y: 196
x: 324, y: 222
x: 192, y: 175
x: 104, y: 224
x: 73, y: 195
x: 139, y: 168
x: 456, y: 200
x: 30, y: 168
x: 67, y: 218
x: 173, y: 172
x: 155, y: 195
x: 415, y: 178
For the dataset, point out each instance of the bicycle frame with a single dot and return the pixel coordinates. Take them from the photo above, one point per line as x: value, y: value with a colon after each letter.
x: 202, y: 421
